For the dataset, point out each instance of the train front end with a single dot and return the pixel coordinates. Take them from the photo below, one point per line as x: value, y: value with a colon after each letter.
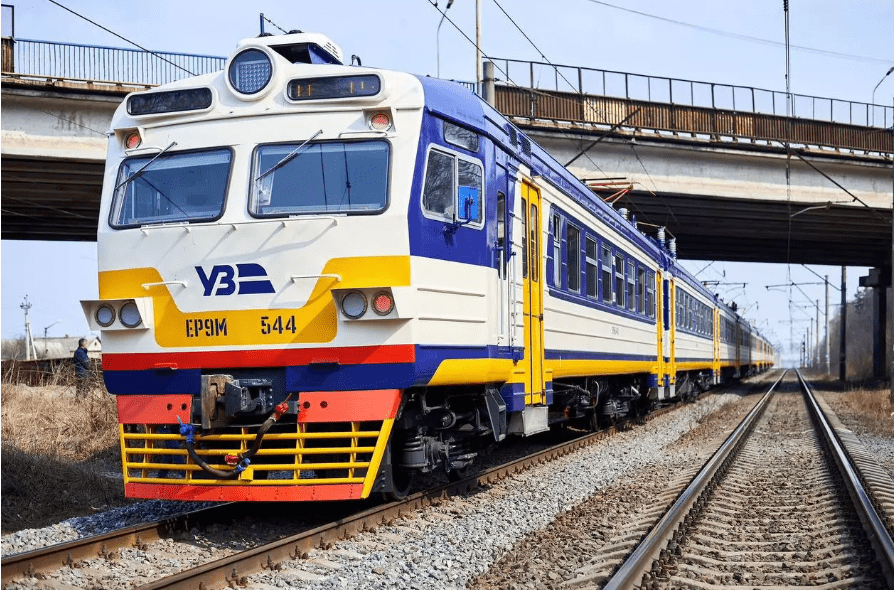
x: 253, y: 276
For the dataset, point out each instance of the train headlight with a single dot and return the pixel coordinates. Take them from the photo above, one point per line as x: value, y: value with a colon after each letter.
x: 105, y: 315
x: 383, y: 303
x: 250, y: 71
x: 130, y: 315
x: 354, y: 304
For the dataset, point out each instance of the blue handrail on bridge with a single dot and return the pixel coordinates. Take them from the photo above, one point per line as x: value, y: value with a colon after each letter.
x: 96, y: 63
x: 593, y: 81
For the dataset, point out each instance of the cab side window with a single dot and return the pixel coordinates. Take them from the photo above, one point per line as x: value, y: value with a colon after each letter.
x: 453, y: 188
x: 437, y: 196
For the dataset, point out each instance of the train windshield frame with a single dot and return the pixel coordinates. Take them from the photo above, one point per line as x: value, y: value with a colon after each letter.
x: 344, y: 177
x: 174, y: 187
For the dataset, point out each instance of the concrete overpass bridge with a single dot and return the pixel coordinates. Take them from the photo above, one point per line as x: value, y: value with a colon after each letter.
x: 707, y: 161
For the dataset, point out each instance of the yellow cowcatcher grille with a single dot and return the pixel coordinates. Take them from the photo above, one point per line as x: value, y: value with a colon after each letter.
x: 290, y: 454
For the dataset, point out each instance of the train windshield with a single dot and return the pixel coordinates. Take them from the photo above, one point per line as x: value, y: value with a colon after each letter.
x: 171, y: 187
x: 336, y: 177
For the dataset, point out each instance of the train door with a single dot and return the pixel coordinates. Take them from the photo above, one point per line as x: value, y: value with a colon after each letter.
x: 531, y: 206
x: 503, y: 250
x: 715, y: 313
x: 670, y: 302
x: 661, y: 327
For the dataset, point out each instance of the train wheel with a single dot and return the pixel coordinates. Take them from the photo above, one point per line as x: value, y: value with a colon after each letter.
x: 401, y: 482
x: 398, y: 481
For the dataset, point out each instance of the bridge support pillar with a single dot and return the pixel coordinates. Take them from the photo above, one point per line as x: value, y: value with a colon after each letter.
x: 879, y: 279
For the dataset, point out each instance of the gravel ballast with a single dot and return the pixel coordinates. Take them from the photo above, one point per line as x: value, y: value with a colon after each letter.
x: 447, y: 545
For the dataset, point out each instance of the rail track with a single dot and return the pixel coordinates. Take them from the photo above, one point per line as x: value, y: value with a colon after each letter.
x: 230, y: 570
x: 788, y: 500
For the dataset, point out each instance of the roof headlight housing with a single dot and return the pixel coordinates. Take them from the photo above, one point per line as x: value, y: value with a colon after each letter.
x: 250, y: 71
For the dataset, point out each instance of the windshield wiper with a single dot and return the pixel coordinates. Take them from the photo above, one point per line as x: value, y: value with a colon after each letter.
x: 289, y: 157
x: 146, y: 165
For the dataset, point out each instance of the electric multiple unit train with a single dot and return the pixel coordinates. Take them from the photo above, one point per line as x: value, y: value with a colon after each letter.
x: 318, y: 280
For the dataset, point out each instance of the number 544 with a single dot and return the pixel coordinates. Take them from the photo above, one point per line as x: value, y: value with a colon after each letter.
x: 277, y: 325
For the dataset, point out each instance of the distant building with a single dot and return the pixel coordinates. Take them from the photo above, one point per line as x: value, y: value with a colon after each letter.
x: 50, y: 348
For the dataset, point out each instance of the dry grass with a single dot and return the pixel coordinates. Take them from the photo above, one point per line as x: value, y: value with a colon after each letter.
x: 870, y: 411
x: 59, y: 452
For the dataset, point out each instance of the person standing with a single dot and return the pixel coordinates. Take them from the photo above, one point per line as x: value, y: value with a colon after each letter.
x: 82, y: 365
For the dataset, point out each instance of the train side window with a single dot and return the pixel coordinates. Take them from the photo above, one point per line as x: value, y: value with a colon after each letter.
x: 619, y: 280
x: 699, y: 318
x: 573, y: 258
x: 592, y: 276
x: 606, y: 273
x: 631, y: 291
x: 524, y: 233
x: 650, y: 294
x: 641, y: 290
x: 535, y: 243
x: 557, y: 251
x: 690, y: 320
x: 681, y: 313
x: 501, y: 219
x: 460, y: 137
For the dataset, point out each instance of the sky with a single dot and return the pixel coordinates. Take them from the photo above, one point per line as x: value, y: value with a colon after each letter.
x: 840, y: 49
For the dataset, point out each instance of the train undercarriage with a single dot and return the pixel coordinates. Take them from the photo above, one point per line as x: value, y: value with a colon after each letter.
x: 446, y: 429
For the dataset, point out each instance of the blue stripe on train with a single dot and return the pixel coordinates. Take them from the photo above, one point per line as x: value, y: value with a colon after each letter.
x: 317, y: 377
x: 154, y: 381
x: 580, y: 355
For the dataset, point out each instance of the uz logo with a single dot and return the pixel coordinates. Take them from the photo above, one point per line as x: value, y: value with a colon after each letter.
x: 227, y: 279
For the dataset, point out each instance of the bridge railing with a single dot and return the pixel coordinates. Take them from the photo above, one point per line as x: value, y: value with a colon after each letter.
x: 70, y: 61
x: 693, y: 93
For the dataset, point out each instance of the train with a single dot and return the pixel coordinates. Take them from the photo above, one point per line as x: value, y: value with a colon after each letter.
x: 318, y: 281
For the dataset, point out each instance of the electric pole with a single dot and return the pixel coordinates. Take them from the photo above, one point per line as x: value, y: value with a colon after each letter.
x: 29, y: 340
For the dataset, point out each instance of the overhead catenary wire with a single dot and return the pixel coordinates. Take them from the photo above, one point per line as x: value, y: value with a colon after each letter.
x: 618, y: 195
x: 534, y: 45
x: 443, y: 13
x: 743, y: 37
x: 79, y: 15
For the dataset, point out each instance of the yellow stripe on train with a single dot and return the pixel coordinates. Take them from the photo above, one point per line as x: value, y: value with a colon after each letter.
x: 313, y: 322
x: 471, y: 371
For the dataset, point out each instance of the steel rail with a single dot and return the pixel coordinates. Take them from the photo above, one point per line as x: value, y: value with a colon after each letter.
x: 17, y: 566
x: 640, y: 561
x: 872, y: 523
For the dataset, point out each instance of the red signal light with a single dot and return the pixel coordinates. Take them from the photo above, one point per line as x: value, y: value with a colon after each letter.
x: 383, y: 303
